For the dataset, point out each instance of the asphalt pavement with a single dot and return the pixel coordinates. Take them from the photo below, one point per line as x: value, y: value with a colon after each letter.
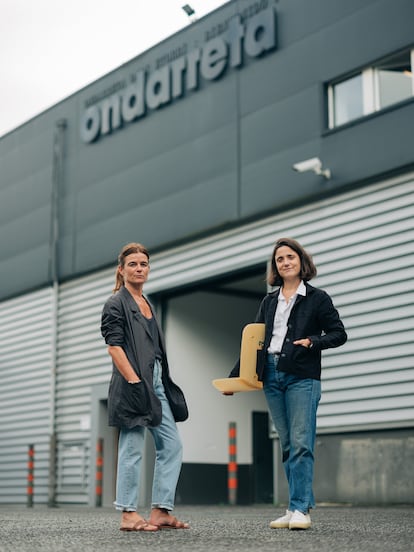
x: 213, y: 529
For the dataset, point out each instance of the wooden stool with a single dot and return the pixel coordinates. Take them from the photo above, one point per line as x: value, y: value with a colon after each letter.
x: 252, y: 341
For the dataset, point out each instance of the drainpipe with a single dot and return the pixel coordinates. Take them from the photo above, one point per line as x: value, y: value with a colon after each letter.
x: 57, y: 178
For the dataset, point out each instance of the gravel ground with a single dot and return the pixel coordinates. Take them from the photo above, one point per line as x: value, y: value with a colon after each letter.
x: 213, y: 528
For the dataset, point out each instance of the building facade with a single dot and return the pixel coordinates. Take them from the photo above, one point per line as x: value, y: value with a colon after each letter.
x: 189, y: 148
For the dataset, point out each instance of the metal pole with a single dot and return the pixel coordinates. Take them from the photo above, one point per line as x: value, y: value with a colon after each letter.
x: 57, y: 180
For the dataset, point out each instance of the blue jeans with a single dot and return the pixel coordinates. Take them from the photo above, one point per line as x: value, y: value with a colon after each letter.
x: 168, y: 458
x: 293, y: 403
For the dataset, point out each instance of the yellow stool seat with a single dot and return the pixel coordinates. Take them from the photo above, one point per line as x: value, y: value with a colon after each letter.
x: 252, y: 341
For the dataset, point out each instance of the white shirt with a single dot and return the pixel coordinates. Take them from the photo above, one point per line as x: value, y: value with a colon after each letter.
x: 283, y: 310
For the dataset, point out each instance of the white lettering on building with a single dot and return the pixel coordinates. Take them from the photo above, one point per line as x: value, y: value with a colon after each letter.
x: 150, y: 91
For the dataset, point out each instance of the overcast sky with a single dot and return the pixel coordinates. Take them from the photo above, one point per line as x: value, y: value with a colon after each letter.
x: 52, y: 48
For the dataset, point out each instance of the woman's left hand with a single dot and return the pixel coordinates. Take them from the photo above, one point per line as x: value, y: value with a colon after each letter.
x: 303, y: 342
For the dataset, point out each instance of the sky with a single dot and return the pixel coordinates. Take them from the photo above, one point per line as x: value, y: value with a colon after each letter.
x: 49, y: 49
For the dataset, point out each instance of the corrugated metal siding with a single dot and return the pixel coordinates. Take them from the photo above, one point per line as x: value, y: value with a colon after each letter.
x: 26, y: 339
x: 367, y: 264
x: 362, y: 245
x: 82, y: 361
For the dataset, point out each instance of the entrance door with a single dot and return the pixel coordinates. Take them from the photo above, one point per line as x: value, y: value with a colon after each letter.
x: 262, y: 459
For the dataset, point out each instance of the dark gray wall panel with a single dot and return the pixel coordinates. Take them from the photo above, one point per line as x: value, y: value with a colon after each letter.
x: 24, y: 269
x: 280, y: 126
x: 208, y: 203
x: 158, y: 178
x: 382, y: 143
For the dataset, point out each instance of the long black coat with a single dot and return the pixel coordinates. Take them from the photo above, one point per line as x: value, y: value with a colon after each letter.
x: 129, y: 406
x: 313, y: 316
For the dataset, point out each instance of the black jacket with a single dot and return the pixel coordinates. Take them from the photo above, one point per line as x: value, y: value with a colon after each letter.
x: 313, y: 316
x: 129, y: 406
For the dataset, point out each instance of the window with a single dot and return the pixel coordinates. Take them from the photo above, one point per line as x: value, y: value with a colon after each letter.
x: 395, y: 80
x: 347, y: 100
x: 388, y: 82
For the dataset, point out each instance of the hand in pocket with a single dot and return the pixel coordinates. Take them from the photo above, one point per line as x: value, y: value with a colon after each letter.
x: 135, y: 399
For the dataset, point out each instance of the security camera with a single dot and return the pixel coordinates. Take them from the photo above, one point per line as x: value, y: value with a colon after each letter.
x: 314, y: 164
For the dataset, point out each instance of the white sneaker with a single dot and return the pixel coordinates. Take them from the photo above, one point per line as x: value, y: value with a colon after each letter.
x: 282, y: 522
x: 299, y: 520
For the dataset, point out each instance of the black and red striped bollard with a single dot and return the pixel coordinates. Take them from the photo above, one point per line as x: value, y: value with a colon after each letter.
x: 99, y: 473
x: 232, y: 465
x: 30, y: 476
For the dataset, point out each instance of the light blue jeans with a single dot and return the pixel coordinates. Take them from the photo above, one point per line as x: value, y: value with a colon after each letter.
x: 293, y: 403
x: 168, y: 458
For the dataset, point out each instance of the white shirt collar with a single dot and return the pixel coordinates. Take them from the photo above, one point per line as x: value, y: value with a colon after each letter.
x: 301, y: 290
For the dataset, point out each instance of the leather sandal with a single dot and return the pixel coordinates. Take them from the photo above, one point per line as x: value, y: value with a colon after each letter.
x: 170, y: 522
x: 140, y: 525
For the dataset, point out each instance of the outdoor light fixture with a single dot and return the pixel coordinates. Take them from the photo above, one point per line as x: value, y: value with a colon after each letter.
x: 188, y: 10
x: 314, y: 164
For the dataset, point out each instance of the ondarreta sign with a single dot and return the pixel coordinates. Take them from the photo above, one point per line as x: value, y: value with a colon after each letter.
x: 151, y: 90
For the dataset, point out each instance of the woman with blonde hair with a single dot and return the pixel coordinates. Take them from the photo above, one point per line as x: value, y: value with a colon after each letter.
x: 141, y: 395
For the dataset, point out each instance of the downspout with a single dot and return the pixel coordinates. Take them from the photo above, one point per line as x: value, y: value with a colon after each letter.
x: 238, y: 148
x: 57, y: 179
